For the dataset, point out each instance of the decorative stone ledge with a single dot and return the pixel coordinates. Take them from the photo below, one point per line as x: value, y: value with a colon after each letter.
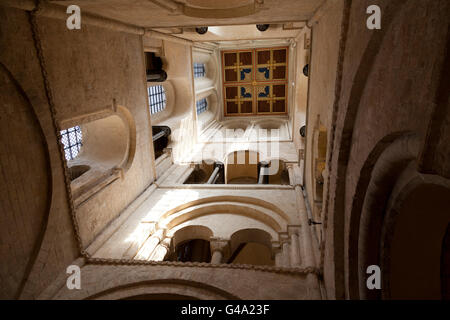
x: 281, y: 270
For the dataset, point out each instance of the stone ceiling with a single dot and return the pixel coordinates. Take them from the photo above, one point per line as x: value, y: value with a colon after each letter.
x: 185, y: 13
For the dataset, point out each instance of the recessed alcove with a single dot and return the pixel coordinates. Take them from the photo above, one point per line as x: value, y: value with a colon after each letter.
x: 107, y: 152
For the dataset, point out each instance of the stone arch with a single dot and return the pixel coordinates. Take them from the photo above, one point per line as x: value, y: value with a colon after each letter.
x: 109, y: 146
x: 250, y: 235
x: 28, y: 160
x: 190, y: 243
x: 171, y: 99
x: 257, y: 209
x: 412, y: 234
x: 194, y: 289
x: 241, y: 166
x: 388, y: 181
x: 340, y: 146
x: 278, y: 171
x: 378, y: 175
x: 251, y: 246
x: 190, y: 232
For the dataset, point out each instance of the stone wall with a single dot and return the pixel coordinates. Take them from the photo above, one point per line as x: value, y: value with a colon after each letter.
x: 389, y: 84
x: 85, y: 71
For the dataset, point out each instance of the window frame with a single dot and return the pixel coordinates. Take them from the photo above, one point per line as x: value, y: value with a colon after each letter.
x: 159, y: 103
x: 201, y: 105
x: 199, y: 70
x: 72, y: 144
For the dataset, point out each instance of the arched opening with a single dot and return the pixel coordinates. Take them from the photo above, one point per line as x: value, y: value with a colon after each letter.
x: 417, y: 245
x: 242, y: 167
x: 277, y: 172
x: 206, y: 172
x: 194, y: 250
x: 191, y: 244
x: 107, y: 151
x: 251, y: 246
x: 205, y: 84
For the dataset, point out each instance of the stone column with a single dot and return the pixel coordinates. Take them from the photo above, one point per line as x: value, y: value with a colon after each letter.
x: 295, y: 250
x: 279, y: 259
x: 213, y: 175
x: 290, y: 167
x: 308, y: 256
x: 277, y: 254
x: 150, y: 245
x: 144, y: 231
x: 218, y: 166
x: 263, y: 168
x: 161, y: 250
x: 218, y: 248
x: 286, y: 254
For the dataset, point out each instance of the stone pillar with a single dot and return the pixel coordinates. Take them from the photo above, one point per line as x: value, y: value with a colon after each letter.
x: 161, y: 250
x: 306, y: 236
x: 290, y: 167
x: 277, y: 254
x: 218, y: 169
x: 213, y: 175
x: 218, y: 250
x: 279, y: 259
x: 150, y: 245
x: 286, y: 254
x: 295, y: 250
x: 144, y: 231
x: 263, y: 168
x: 309, y: 259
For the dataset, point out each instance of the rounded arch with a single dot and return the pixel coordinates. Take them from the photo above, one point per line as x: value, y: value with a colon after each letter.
x: 28, y: 161
x: 250, y: 235
x: 412, y: 237
x: 251, y: 246
x: 260, y: 210
x: 340, y: 147
x: 171, y: 98
x: 241, y: 166
x: 190, y: 232
x: 383, y: 166
x: 194, y: 289
x: 278, y: 171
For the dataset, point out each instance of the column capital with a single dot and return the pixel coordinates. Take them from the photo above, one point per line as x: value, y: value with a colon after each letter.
x: 218, y: 244
x: 290, y: 165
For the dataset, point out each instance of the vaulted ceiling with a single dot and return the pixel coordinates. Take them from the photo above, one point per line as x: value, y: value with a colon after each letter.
x: 183, y: 13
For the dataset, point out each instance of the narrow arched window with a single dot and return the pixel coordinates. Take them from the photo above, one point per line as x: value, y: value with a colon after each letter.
x: 72, y: 140
x: 202, y: 105
x: 199, y: 70
x: 156, y: 98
